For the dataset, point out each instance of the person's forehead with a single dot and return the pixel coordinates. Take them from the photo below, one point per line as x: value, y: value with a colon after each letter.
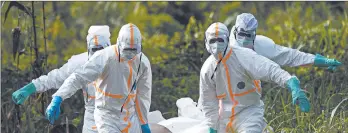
x: 217, y: 32
x: 125, y: 45
x: 214, y: 37
x: 98, y: 40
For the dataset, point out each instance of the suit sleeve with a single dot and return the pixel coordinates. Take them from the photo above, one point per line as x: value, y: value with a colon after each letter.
x: 83, y: 75
x: 209, y: 101
x: 261, y: 68
x: 143, y: 96
x: 281, y: 55
x: 55, y: 78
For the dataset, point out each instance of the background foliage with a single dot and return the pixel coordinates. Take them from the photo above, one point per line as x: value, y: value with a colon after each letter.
x: 173, y: 39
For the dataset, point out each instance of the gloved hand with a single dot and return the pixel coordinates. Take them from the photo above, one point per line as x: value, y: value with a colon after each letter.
x: 331, y: 68
x: 298, y: 96
x: 53, y: 110
x: 145, y: 128
x: 321, y: 61
x: 211, y: 130
x: 22, y: 94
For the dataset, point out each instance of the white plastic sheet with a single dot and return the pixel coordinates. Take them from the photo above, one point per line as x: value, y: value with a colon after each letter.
x: 189, y: 120
x: 188, y: 108
x: 199, y: 128
x: 155, y: 117
x: 179, y: 124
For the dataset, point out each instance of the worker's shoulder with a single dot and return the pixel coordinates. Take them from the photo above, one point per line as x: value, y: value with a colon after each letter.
x: 112, y: 47
x: 265, y: 46
x: 79, y: 58
x: 110, y: 50
x: 144, y: 59
x: 242, y: 54
x: 238, y: 50
x: 208, y: 64
x: 263, y: 42
x: 106, y: 53
x: 262, y: 38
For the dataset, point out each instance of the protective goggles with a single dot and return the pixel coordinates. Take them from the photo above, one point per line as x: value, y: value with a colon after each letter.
x: 242, y: 34
x: 131, y: 50
x: 213, y: 40
x: 96, y: 49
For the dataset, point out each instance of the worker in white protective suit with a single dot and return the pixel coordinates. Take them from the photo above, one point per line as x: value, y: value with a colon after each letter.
x: 243, y: 33
x: 123, y: 79
x: 98, y: 38
x: 230, y: 75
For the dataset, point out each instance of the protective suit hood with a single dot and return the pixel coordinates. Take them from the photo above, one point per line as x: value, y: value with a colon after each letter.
x: 98, y: 38
x: 244, y: 30
x: 216, y: 40
x: 129, y: 37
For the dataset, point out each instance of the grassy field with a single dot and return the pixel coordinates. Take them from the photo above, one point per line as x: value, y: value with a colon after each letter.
x: 173, y: 39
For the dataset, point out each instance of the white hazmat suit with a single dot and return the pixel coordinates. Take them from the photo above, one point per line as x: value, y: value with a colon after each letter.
x: 243, y: 33
x: 236, y: 84
x: 281, y: 55
x: 266, y: 47
x: 56, y: 77
x: 115, y: 76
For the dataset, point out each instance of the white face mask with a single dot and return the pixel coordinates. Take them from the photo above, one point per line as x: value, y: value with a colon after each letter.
x: 217, y: 45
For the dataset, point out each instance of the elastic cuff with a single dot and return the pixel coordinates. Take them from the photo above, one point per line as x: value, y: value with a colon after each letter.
x: 37, y: 85
x: 31, y: 88
x: 319, y: 61
x: 293, y: 83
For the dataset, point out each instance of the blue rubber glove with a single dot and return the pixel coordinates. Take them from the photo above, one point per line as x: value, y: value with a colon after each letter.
x: 145, y: 128
x: 211, y: 130
x: 53, y: 110
x: 321, y: 61
x: 298, y: 96
x: 22, y: 94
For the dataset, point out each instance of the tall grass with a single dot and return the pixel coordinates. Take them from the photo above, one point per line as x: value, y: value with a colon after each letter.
x: 313, y: 27
x: 326, y: 34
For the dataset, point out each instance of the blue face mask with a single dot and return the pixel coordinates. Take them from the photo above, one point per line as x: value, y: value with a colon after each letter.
x: 245, y: 43
x: 245, y: 39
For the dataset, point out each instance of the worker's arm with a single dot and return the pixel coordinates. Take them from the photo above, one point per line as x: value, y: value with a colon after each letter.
x: 143, y: 96
x: 281, y: 55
